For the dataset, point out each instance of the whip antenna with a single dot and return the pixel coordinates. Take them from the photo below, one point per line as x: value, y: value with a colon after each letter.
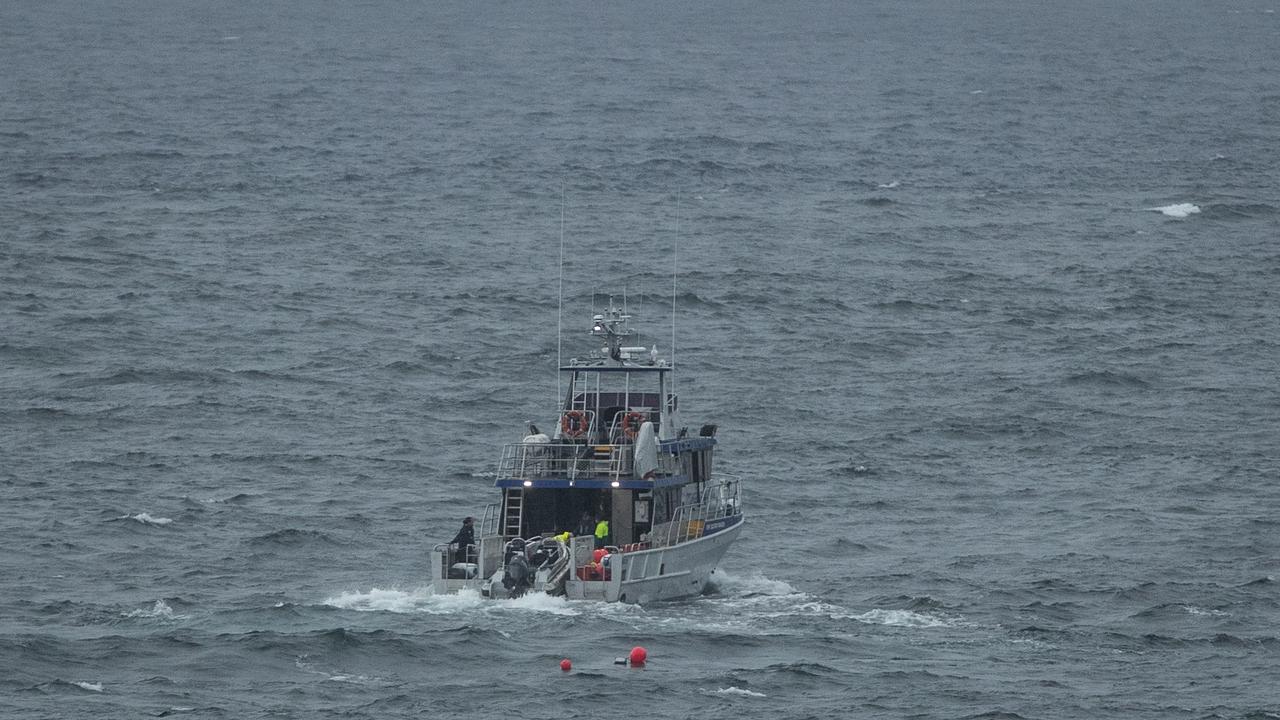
x: 560, y: 294
x: 675, y: 264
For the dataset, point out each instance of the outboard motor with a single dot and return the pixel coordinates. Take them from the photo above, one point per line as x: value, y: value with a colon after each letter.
x: 518, y: 577
x: 516, y: 546
x: 541, y: 552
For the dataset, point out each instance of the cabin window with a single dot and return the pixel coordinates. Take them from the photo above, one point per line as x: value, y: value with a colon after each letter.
x: 665, y: 502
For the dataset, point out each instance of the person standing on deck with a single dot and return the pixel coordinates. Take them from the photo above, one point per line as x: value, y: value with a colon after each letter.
x: 465, y: 539
x: 586, y: 525
x: 602, y: 533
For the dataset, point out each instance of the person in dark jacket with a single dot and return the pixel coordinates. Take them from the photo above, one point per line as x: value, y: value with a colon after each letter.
x: 586, y: 525
x: 465, y: 538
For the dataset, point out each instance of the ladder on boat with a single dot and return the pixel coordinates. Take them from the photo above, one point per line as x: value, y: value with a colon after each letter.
x: 513, y: 512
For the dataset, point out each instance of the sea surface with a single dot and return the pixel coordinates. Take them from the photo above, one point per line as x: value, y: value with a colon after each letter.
x: 983, y: 296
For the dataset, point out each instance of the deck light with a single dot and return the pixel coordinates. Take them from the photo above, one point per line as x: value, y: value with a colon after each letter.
x: 614, y: 483
x: 528, y: 483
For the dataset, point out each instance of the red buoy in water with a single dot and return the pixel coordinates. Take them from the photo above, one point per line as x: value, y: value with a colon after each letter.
x: 565, y: 665
x: 638, y: 656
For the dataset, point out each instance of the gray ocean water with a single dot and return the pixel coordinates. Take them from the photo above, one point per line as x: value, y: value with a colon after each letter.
x: 983, y: 297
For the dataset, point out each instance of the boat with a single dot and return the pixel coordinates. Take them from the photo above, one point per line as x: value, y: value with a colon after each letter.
x: 618, y: 504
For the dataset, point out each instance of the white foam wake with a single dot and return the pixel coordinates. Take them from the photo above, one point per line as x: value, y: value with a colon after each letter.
x: 400, y: 601
x: 902, y: 618
x: 423, y: 600
x: 94, y: 687
x: 754, y: 584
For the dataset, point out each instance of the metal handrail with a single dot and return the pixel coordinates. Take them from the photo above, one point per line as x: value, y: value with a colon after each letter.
x: 527, y: 461
x: 687, y: 523
x: 444, y: 550
x: 489, y: 520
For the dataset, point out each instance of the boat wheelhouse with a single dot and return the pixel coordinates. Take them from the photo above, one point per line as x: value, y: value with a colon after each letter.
x: 619, y: 504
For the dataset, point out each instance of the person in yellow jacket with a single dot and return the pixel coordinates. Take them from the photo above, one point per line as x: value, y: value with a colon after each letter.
x: 602, y: 533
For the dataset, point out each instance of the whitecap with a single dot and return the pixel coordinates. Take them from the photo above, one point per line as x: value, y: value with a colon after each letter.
x: 1179, y: 210
x: 95, y: 687
x: 354, y: 679
x: 889, y: 185
x: 1193, y: 610
x: 731, y: 690
x: 160, y: 610
x: 147, y: 519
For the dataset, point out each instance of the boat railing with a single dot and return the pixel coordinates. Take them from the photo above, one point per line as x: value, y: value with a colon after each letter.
x: 688, y: 521
x: 530, y: 461
x: 450, y: 556
x: 489, y: 521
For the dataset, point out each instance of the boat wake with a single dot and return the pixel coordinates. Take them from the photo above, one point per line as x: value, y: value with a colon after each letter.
x: 764, y: 605
x: 755, y: 584
x: 425, y: 600
x: 747, y: 606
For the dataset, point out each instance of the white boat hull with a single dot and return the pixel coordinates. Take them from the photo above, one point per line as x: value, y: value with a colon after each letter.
x: 637, y: 577
x: 666, y: 573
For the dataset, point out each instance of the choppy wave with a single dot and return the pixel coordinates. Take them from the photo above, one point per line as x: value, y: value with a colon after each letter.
x: 947, y: 334
x: 293, y: 537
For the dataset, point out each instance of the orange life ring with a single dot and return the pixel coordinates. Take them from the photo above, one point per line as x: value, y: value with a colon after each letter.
x: 574, y: 424
x: 631, y: 423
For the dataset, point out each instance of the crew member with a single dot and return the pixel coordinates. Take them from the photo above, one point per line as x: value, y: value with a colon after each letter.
x: 464, y: 540
x: 585, y: 525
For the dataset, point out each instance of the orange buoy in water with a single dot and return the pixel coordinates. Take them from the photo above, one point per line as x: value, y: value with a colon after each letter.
x: 638, y: 656
x: 565, y: 665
